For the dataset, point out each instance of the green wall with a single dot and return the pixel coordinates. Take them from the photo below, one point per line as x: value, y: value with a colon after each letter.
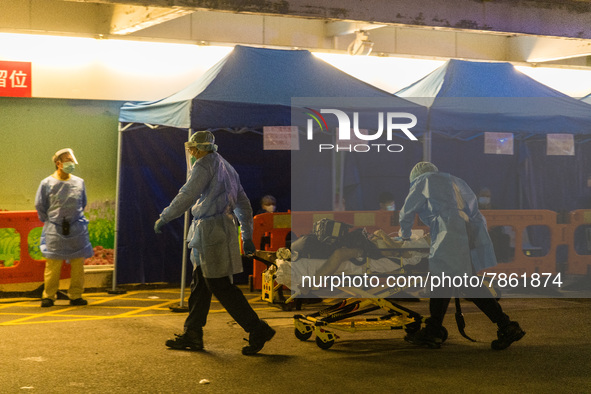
x: 33, y: 129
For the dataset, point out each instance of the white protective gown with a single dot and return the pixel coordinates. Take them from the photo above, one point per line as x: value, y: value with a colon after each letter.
x: 449, y: 207
x: 55, y: 201
x: 213, y: 192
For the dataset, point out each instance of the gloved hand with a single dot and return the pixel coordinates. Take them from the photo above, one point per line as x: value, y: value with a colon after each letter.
x: 158, y: 226
x: 248, y: 246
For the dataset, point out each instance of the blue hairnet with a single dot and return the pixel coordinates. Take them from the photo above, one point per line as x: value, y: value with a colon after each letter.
x: 422, y: 167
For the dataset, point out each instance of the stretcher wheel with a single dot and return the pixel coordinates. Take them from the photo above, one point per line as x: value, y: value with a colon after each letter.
x: 302, y: 336
x: 413, y: 327
x: 324, y: 345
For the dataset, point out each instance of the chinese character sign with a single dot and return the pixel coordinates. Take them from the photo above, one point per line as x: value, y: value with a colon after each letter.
x: 15, y: 79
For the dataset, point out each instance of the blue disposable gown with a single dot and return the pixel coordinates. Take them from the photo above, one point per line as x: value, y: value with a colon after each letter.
x: 55, y: 201
x: 449, y: 207
x: 213, y: 192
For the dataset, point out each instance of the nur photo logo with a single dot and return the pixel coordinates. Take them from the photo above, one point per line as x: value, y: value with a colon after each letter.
x: 356, y: 139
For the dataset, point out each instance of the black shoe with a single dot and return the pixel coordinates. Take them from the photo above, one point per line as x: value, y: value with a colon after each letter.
x: 189, y: 339
x: 78, y: 302
x: 46, y: 303
x: 430, y: 336
x: 257, y: 339
x: 507, y: 335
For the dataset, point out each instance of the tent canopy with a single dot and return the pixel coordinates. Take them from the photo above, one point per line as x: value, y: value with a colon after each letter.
x: 467, y: 98
x: 249, y: 88
x: 252, y: 87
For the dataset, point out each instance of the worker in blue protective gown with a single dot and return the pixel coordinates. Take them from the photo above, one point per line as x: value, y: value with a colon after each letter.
x: 60, y: 203
x: 460, y: 246
x: 216, y: 198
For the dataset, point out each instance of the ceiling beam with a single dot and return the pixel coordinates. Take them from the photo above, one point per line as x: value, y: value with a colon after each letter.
x: 533, y: 49
x: 128, y: 19
x: 429, y: 34
x: 564, y: 18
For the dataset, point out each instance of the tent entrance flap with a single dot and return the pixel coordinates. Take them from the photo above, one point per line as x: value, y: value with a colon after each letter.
x: 152, y: 170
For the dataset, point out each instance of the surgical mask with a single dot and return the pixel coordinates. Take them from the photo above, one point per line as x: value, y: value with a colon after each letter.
x: 68, y: 167
x: 391, y: 207
x: 483, y: 200
x: 269, y: 208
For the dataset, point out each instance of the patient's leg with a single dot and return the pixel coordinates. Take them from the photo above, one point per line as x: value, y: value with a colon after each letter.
x: 335, y: 260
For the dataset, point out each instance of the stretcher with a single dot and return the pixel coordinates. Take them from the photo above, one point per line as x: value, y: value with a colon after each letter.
x: 344, y: 316
x: 277, y: 277
x: 347, y: 314
x: 396, y: 259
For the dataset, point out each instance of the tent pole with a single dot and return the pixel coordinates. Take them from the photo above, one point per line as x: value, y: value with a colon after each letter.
x: 114, y: 289
x: 184, y: 264
x: 334, y: 176
x: 342, y: 180
x: 427, y: 146
x: 185, y: 231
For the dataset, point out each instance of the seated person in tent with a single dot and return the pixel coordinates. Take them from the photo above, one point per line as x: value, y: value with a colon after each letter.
x: 268, y: 204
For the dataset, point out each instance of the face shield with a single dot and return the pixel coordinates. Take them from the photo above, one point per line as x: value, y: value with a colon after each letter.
x: 60, y: 152
x: 201, y: 140
x: 188, y: 156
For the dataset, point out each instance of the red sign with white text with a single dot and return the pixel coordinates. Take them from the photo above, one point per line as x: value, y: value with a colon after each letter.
x: 15, y: 79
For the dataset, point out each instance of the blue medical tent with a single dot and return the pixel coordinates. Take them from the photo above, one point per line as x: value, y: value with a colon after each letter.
x: 467, y: 99
x: 248, y: 89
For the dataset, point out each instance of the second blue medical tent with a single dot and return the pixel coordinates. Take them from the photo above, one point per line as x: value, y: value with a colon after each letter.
x: 498, y: 128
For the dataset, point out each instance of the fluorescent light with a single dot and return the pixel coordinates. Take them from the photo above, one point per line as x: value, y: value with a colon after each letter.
x: 573, y: 82
x: 387, y: 73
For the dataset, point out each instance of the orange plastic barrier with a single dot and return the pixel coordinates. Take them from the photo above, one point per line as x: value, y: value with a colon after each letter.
x: 270, y: 231
x: 26, y: 269
x: 370, y: 220
x: 579, y: 264
x: 520, y: 220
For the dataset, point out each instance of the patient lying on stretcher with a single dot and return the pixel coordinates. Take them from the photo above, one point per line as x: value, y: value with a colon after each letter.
x: 380, y: 245
x: 357, y: 253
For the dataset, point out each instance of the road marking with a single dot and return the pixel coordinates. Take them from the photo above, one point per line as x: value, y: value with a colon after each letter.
x: 99, y: 303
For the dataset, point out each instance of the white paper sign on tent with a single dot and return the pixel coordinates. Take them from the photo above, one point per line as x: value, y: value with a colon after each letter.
x: 281, y: 138
x: 560, y: 145
x: 498, y: 143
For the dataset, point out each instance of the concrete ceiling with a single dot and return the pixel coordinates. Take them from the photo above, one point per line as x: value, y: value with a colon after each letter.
x: 534, y: 31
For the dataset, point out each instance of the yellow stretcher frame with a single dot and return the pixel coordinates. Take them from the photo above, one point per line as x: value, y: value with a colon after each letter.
x: 342, y: 317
